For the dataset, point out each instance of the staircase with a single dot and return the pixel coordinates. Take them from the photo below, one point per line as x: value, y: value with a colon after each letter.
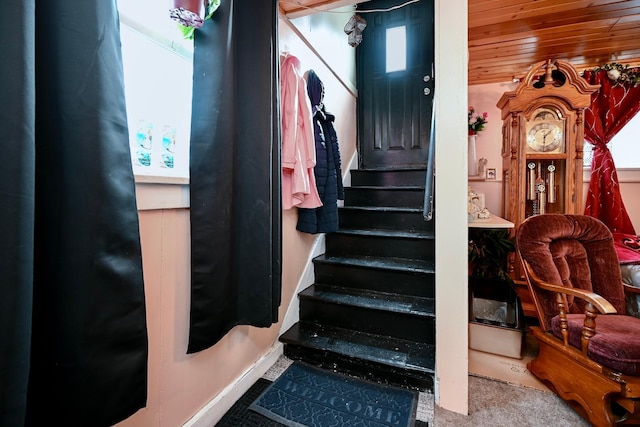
x: 371, y: 311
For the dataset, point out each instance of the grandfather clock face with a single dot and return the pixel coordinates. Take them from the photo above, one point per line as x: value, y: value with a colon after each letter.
x: 545, y: 131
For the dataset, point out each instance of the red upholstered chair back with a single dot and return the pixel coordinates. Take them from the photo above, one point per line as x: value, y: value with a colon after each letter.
x: 572, y: 250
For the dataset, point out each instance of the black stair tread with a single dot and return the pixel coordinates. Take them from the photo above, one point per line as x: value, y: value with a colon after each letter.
x: 409, y: 355
x: 387, y: 187
x: 392, y: 176
x: 382, y: 209
x: 379, y: 232
x: 404, y: 304
x: 385, y: 263
x: 394, y: 168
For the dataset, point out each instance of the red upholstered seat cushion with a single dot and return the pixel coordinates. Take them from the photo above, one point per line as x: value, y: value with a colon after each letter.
x: 615, y: 345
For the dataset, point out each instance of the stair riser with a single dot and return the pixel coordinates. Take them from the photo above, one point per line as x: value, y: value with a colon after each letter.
x: 388, y: 178
x: 377, y: 246
x: 379, y: 280
x: 409, y: 221
x: 403, y: 326
x: 360, y: 368
x: 399, y: 198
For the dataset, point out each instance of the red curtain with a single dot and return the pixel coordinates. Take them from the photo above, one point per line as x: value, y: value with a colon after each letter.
x: 612, y: 106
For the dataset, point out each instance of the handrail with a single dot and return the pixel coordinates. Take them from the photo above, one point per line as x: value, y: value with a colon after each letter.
x: 427, y: 210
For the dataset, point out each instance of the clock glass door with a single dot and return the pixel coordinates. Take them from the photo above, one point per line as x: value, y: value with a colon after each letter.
x: 546, y: 161
x: 545, y: 186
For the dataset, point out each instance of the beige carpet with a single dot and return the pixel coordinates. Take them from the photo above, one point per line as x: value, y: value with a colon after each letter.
x: 502, y: 392
x: 496, y: 404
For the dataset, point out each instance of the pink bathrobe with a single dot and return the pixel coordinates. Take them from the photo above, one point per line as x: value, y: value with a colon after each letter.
x: 298, y: 144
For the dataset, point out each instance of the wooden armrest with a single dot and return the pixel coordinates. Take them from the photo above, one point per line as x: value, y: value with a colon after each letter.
x: 631, y: 289
x: 594, y: 302
x: 599, y: 302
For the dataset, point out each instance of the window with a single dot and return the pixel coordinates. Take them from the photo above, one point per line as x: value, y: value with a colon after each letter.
x: 624, y: 147
x: 158, y: 70
x: 396, y: 49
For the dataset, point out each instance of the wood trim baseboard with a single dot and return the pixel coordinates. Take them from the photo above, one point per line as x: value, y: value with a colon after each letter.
x: 213, y: 411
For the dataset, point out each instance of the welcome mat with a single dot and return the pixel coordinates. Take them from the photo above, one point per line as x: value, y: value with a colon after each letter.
x: 305, y: 396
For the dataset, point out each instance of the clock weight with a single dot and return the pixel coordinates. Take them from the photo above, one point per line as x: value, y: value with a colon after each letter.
x: 551, y: 181
x: 542, y: 189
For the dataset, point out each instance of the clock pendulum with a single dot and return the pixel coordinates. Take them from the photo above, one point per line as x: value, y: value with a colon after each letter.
x: 539, y: 204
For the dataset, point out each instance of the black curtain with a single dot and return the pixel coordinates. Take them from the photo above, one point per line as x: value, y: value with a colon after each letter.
x: 235, y: 172
x: 72, y: 315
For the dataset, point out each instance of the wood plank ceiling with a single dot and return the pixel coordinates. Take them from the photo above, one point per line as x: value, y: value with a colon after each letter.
x: 507, y: 36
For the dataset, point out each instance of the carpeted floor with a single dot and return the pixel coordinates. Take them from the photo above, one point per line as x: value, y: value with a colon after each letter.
x: 497, y: 404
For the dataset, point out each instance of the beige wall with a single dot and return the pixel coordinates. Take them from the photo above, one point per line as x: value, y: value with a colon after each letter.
x: 181, y: 385
x: 488, y: 145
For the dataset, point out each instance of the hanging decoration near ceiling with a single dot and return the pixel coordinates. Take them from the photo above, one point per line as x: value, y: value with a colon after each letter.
x: 621, y: 74
x: 354, y: 29
x: 356, y: 24
x: 191, y: 14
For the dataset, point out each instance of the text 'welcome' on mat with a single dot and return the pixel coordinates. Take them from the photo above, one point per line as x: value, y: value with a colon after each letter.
x: 311, y: 397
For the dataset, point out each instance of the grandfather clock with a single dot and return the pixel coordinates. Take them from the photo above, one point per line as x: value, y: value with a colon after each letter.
x: 542, y: 142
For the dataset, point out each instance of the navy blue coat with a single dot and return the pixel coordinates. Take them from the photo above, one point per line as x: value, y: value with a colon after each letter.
x: 328, y: 169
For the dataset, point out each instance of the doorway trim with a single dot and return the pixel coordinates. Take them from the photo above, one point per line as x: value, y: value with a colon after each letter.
x: 451, y: 59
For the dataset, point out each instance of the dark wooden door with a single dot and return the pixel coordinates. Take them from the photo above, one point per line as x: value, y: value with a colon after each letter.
x: 394, y: 102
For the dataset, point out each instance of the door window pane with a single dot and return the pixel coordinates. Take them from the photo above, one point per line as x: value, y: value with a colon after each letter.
x: 396, y: 49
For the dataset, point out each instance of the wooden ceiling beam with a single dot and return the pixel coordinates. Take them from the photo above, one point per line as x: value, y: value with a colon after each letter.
x: 577, y: 35
x: 577, y: 17
x: 611, y: 44
x: 545, y: 9
x: 513, y: 6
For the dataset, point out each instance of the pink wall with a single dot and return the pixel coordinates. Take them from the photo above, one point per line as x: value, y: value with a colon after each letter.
x: 180, y: 384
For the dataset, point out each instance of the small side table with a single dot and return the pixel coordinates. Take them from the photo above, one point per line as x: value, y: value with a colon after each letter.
x: 493, y: 221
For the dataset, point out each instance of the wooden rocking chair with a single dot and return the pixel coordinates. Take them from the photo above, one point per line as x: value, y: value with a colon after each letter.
x: 589, y: 349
